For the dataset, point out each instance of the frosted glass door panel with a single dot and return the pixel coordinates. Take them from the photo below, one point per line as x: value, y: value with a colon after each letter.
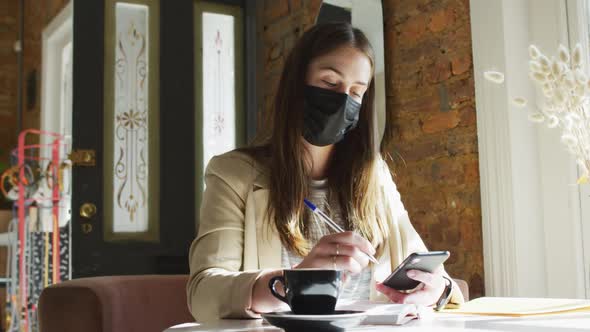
x: 219, y: 85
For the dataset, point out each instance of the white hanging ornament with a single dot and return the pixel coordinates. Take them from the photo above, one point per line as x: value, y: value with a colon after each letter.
x: 494, y: 76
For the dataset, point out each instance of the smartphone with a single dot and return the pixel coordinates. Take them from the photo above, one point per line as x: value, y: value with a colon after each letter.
x: 423, y: 261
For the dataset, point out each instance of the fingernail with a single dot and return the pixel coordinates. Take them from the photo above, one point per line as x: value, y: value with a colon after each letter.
x: 411, y: 274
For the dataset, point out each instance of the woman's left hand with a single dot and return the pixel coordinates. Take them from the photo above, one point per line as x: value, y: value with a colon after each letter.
x: 430, y: 290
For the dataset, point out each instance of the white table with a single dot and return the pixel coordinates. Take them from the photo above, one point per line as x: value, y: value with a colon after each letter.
x: 574, y: 322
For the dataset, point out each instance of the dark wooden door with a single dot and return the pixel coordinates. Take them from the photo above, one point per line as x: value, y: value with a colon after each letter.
x: 171, y: 171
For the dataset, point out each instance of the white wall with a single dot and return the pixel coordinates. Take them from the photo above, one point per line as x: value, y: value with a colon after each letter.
x: 367, y: 15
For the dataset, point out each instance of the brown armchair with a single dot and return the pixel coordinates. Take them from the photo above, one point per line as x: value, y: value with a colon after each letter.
x: 124, y: 303
x: 115, y: 304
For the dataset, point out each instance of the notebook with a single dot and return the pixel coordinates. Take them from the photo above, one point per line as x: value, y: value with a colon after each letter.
x: 384, y: 313
x: 518, y: 307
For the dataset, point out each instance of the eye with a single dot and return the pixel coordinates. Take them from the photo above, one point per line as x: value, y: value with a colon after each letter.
x: 330, y: 84
x: 357, y: 94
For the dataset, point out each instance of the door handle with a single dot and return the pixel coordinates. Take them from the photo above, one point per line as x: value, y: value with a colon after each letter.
x: 87, y: 210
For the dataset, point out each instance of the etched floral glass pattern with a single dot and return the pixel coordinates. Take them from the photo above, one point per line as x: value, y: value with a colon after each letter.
x: 130, y: 160
x: 219, y: 85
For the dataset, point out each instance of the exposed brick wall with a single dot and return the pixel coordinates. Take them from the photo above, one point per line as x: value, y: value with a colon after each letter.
x: 8, y: 78
x: 281, y: 24
x: 431, y: 124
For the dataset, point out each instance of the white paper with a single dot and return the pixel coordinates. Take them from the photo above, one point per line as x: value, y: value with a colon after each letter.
x: 384, y: 313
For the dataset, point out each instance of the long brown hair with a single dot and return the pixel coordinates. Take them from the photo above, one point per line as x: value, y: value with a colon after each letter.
x: 353, y: 169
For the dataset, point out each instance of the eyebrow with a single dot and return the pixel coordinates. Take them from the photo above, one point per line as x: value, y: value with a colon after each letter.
x: 340, y: 73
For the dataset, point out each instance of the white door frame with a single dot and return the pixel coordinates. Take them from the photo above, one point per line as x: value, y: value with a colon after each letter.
x: 56, y: 36
x: 56, y: 107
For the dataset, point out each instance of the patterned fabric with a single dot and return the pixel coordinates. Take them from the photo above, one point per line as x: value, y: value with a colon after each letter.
x: 356, y: 286
x: 37, y: 269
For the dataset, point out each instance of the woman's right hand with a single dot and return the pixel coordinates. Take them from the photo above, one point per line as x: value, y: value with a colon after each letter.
x: 340, y: 251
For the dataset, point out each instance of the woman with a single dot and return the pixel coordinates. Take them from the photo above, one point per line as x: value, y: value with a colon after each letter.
x: 322, y: 147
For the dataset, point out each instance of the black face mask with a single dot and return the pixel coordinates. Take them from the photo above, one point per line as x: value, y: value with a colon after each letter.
x: 328, y: 115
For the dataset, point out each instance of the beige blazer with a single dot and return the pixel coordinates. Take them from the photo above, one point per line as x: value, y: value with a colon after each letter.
x: 235, y: 243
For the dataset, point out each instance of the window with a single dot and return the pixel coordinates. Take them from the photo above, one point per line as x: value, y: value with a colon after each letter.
x: 220, y: 105
x: 131, y: 118
x: 579, y: 31
x: 219, y: 84
x: 533, y: 213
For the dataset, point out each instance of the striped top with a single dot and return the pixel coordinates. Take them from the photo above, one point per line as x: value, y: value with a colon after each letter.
x: 356, y: 286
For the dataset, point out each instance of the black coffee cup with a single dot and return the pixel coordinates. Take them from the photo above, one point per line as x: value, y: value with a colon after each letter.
x: 309, y: 291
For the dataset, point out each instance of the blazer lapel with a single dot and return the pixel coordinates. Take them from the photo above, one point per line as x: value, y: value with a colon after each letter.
x: 268, y: 240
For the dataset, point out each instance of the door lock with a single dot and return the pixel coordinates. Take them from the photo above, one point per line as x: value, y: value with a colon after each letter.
x: 86, y: 228
x: 83, y: 157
